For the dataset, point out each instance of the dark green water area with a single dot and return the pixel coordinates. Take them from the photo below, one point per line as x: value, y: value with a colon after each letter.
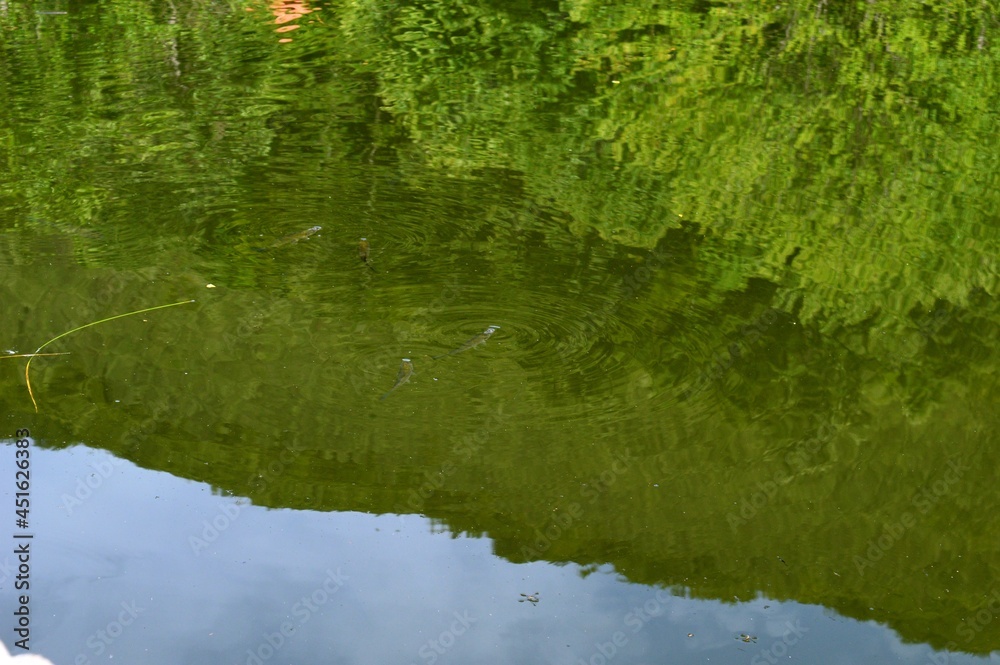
x: 739, y: 404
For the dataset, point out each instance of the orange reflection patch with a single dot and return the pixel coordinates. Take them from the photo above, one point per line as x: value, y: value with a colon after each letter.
x: 289, y: 10
x: 286, y: 11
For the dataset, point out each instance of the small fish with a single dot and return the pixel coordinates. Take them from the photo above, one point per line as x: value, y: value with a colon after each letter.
x: 290, y: 239
x: 475, y: 341
x: 364, y: 252
x: 405, y: 372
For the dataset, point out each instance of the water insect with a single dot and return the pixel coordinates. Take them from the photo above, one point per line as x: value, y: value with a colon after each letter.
x: 529, y: 597
x: 475, y: 341
x: 404, y: 374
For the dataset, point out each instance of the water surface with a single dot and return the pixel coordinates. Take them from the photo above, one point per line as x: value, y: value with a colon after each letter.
x: 743, y: 264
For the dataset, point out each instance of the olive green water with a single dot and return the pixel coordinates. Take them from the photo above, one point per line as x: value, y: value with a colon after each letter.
x: 743, y: 262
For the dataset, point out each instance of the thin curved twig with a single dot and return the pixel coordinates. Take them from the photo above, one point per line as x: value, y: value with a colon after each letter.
x: 27, y: 367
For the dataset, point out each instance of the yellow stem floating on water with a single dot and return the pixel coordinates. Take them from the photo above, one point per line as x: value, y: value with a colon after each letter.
x: 27, y: 367
x: 32, y: 355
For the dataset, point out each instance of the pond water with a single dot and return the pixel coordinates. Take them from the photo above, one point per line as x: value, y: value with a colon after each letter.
x: 672, y: 336
x: 137, y: 565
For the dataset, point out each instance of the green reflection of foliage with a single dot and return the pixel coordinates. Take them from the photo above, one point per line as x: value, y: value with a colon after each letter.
x: 740, y: 117
x: 127, y: 101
